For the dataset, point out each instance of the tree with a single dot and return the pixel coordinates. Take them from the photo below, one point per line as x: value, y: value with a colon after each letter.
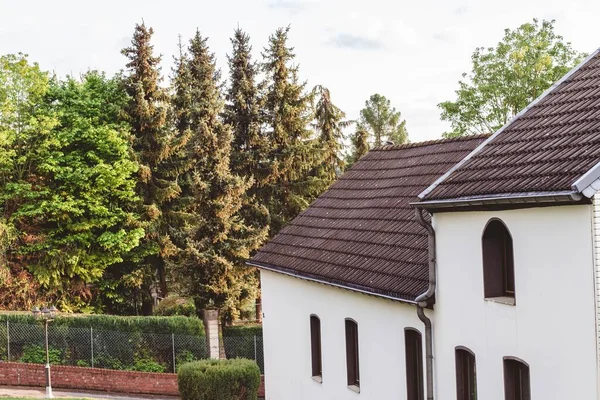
x: 329, y: 122
x: 360, y: 146
x: 242, y: 112
x: 147, y: 112
x: 506, y: 78
x: 382, y: 121
x: 71, y: 206
x: 294, y: 152
x: 217, y: 238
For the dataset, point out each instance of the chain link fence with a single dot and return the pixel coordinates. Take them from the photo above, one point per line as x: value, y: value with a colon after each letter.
x: 88, y: 347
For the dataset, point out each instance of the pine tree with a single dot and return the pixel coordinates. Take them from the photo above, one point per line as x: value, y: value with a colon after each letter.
x: 294, y: 152
x: 360, y: 145
x: 329, y: 124
x: 243, y: 111
x: 217, y: 239
x: 147, y: 111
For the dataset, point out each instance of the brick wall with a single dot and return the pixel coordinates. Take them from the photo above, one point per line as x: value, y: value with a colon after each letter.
x: 131, y: 382
x: 107, y: 380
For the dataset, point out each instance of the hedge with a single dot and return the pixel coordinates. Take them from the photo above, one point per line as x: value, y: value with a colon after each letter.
x: 236, y: 379
x: 176, y: 324
x: 243, y: 330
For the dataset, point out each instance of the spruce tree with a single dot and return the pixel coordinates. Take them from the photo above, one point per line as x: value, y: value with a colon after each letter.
x: 218, y: 240
x: 147, y: 114
x: 329, y: 122
x: 294, y: 153
x: 360, y: 145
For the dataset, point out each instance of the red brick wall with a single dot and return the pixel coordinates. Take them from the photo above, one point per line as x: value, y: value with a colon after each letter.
x: 131, y: 382
x: 107, y: 380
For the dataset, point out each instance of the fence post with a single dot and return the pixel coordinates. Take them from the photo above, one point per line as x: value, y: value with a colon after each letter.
x: 7, y: 340
x: 211, y: 328
x: 173, y: 344
x: 255, y: 358
x: 92, y: 344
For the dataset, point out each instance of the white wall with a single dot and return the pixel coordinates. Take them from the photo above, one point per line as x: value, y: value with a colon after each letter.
x: 552, y: 326
x: 288, y: 303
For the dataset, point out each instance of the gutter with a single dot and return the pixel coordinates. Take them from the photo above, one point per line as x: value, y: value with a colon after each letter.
x: 569, y: 196
x: 426, y: 299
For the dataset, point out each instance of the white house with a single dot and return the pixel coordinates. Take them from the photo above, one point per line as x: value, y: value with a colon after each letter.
x: 457, y: 269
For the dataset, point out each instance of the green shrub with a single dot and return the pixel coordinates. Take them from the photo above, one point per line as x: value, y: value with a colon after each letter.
x: 236, y: 379
x: 184, y: 357
x: 82, y: 363
x: 108, y: 363
x: 176, y: 305
x: 178, y: 325
x: 243, y: 330
x: 37, y: 355
x: 147, y: 365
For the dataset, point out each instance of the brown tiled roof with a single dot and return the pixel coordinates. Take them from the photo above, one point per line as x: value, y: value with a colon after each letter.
x: 361, y: 233
x: 547, y: 148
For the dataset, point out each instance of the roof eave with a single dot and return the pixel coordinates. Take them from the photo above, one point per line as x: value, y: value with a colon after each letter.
x: 353, y: 288
x: 503, y: 199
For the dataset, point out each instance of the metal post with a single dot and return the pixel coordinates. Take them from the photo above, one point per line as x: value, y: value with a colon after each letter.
x: 7, y: 340
x: 92, y: 344
x: 255, y: 359
x: 48, y: 377
x: 173, y: 346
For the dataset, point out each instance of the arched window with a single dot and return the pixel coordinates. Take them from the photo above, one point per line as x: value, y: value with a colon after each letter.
x: 352, y: 364
x: 498, y: 262
x: 414, y: 364
x: 466, y: 374
x: 516, y: 379
x: 315, y: 347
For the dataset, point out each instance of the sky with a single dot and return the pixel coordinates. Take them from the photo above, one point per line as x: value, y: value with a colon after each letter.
x: 412, y: 52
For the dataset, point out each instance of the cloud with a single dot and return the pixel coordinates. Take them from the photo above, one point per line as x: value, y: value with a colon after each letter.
x: 289, y: 5
x: 354, y: 42
x: 461, y: 10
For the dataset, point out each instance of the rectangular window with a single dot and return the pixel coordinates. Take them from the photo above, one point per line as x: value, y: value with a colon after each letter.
x: 315, y: 346
x: 352, y: 364
x: 516, y: 380
x: 414, y: 364
x: 466, y: 378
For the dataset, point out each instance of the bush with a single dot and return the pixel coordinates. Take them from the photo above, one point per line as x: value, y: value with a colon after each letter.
x: 37, y: 355
x: 147, y: 365
x: 176, y: 305
x: 236, y: 379
x: 178, y: 325
x: 243, y: 330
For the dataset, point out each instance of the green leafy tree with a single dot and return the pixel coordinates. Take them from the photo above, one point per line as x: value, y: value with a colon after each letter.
x: 73, y: 217
x: 506, y: 78
x: 217, y: 238
x: 294, y: 152
x: 147, y: 112
x: 382, y: 121
x: 329, y: 123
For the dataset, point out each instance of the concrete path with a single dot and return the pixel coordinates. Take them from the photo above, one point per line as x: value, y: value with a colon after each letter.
x: 35, y: 393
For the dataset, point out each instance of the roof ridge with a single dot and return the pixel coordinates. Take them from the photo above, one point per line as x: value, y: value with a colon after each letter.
x: 430, y: 142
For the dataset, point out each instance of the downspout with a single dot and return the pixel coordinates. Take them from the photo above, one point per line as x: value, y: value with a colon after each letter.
x: 424, y: 300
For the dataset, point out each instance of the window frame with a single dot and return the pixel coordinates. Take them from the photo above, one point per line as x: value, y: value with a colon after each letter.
x: 510, y: 366
x: 415, y: 383
x: 316, y: 354
x: 352, y: 354
x: 498, y: 275
x: 465, y: 390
